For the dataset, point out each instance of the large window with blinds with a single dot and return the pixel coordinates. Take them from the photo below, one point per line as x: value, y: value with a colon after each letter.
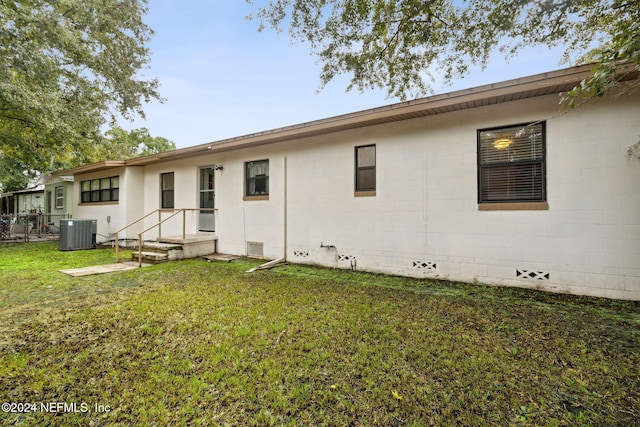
x: 511, y: 164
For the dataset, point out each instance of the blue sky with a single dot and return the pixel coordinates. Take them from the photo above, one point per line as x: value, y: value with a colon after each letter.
x: 223, y: 79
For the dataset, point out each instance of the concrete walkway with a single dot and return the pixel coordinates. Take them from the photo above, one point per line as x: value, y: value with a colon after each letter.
x: 101, y: 269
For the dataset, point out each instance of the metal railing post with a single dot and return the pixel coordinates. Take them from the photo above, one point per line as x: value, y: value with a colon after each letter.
x: 158, y: 224
x: 117, y: 249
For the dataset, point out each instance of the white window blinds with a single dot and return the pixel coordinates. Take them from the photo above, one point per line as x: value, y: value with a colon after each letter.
x: 511, y: 164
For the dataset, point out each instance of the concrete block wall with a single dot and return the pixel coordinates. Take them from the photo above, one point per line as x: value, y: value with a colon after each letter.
x: 424, y: 219
x: 111, y: 216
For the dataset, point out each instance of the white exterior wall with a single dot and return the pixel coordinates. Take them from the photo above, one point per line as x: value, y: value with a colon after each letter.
x: 186, y: 176
x: 588, y: 240
x: 424, y: 220
x: 112, y: 216
x: 425, y: 211
x: 240, y: 221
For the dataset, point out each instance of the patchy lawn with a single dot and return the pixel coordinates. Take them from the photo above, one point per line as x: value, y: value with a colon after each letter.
x: 200, y: 343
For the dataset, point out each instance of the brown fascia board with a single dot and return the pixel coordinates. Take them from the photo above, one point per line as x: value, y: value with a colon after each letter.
x: 525, y: 87
x: 93, y: 167
x: 520, y: 88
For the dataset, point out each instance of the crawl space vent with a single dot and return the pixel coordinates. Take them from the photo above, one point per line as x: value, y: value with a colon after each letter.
x: 522, y: 273
x: 425, y: 265
x: 255, y: 249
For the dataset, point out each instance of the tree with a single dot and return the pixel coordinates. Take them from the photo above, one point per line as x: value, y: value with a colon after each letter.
x: 117, y: 144
x: 399, y: 45
x: 14, y: 175
x: 67, y: 67
x: 121, y: 145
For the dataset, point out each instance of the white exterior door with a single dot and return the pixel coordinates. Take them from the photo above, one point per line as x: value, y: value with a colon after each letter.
x: 206, y: 220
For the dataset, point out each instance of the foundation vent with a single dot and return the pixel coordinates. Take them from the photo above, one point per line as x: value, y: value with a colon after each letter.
x: 522, y: 273
x: 351, y: 259
x: 301, y: 254
x: 424, y: 265
x: 255, y: 249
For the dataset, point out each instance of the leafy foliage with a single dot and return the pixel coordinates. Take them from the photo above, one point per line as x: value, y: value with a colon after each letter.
x: 67, y: 67
x: 400, y: 45
x: 121, y: 145
x: 116, y: 144
x: 14, y: 175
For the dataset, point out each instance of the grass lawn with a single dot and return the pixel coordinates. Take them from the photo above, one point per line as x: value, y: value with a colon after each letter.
x: 200, y: 343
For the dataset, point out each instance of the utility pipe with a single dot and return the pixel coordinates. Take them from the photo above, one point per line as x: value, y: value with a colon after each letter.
x: 284, y: 255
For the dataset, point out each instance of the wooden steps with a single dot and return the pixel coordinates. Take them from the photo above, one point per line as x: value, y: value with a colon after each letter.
x: 175, y: 248
x: 155, y: 253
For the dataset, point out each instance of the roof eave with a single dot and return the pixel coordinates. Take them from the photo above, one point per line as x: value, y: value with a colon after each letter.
x: 93, y: 167
x: 525, y: 87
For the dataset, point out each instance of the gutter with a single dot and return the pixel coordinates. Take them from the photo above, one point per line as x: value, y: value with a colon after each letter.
x: 495, y: 93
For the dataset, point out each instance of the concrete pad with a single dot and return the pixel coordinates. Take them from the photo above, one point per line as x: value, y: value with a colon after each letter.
x: 101, y: 269
x: 221, y: 257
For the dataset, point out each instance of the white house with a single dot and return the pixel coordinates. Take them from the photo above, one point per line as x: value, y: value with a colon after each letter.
x: 497, y: 184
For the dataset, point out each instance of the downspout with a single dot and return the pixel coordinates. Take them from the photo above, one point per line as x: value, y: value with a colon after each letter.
x: 284, y: 208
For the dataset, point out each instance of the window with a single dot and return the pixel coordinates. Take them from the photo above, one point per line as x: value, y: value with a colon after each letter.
x: 100, y: 190
x: 366, y: 169
x: 257, y: 178
x: 166, y: 190
x: 59, y: 198
x: 511, y: 164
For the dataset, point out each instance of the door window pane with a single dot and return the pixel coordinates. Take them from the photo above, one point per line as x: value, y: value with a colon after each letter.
x: 167, y: 190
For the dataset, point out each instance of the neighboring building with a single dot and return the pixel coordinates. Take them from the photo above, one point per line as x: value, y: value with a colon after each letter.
x: 44, y: 204
x: 30, y: 200
x: 496, y: 184
x: 58, y: 197
x: 22, y: 210
x: 7, y: 203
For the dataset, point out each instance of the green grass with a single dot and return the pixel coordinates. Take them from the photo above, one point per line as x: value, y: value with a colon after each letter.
x: 201, y: 343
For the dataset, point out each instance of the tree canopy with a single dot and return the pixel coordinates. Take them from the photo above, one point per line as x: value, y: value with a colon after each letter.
x: 400, y: 45
x: 68, y: 68
x: 116, y: 144
x: 122, y: 145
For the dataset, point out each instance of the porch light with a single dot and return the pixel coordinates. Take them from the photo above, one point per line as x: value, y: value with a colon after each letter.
x: 502, y: 143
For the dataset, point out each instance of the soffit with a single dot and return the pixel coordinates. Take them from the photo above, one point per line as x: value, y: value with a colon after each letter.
x: 527, y: 87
